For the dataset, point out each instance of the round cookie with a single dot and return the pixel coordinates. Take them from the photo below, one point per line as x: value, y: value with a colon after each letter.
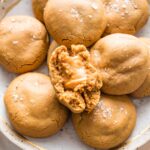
x: 75, y: 22
x: 144, y: 89
x: 23, y: 43
x: 38, y: 8
x: 52, y: 47
x: 109, y: 124
x: 125, y: 16
x: 32, y: 106
x: 122, y: 61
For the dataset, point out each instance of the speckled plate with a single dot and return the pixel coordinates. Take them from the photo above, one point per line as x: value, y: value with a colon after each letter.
x: 66, y: 139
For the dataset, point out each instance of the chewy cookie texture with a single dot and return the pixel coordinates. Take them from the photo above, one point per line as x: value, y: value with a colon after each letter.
x: 76, y: 81
x: 23, y: 43
x: 33, y: 107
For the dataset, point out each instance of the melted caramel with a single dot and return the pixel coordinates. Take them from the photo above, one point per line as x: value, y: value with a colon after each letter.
x: 78, y: 72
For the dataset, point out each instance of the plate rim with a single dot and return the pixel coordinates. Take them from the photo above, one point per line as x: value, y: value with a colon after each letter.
x: 21, y: 142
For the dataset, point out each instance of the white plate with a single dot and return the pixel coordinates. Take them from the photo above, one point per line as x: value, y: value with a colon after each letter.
x: 67, y: 139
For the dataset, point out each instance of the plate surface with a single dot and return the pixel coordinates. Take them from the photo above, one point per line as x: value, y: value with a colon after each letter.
x: 67, y: 139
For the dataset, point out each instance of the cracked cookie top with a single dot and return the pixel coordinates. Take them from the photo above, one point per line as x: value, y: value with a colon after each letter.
x: 33, y: 107
x: 109, y: 124
x: 75, y: 21
x: 24, y: 43
x: 125, y: 16
x: 76, y: 80
x: 123, y: 63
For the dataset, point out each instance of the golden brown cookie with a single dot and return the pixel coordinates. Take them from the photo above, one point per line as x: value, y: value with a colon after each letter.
x: 109, y: 124
x: 32, y: 106
x: 23, y: 43
x: 52, y: 47
x: 38, y: 8
x: 125, y: 16
x: 75, y: 22
x: 76, y: 81
x: 144, y: 89
x: 122, y: 60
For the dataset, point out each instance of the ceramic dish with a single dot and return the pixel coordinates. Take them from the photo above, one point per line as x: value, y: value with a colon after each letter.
x: 66, y: 139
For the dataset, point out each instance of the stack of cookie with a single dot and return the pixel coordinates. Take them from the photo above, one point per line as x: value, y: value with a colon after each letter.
x: 95, y: 66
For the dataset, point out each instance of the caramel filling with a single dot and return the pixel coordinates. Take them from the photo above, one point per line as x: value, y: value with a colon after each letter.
x: 77, y: 72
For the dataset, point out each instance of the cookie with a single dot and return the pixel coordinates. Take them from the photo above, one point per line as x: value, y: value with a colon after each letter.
x: 144, y: 89
x: 122, y: 61
x: 75, y: 79
x: 125, y: 16
x: 24, y: 43
x: 38, y: 8
x: 32, y: 106
x: 52, y: 47
x: 75, y: 22
x: 109, y: 124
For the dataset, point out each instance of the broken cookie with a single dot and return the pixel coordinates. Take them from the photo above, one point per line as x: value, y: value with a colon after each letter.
x: 75, y: 79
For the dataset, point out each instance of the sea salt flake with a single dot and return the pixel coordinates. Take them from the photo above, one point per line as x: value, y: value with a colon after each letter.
x: 108, y: 25
x: 32, y: 101
x: 34, y: 37
x: 127, y: 1
x: 90, y: 16
x: 126, y: 12
x: 135, y: 6
x: 74, y: 13
x: 124, y: 6
x: 115, y: 122
x: 126, y: 112
x: 122, y: 15
x: 15, y: 42
x: 13, y: 20
x: 106, y: 111
x: 16, y: 98
x: 114, y: 6
x: 36, y: 84
x: 121, y: 109
x: 94, y: 6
